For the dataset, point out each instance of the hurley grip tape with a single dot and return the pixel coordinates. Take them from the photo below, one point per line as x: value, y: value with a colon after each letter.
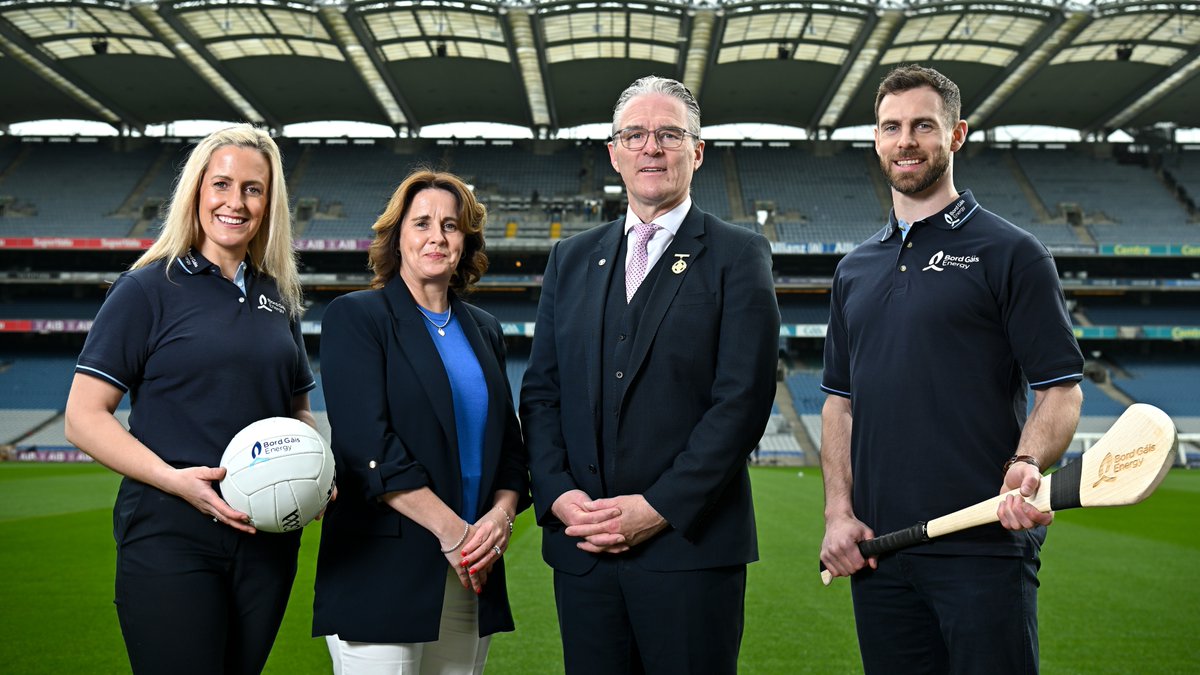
x: 1064, y: 486
x: 894, y: 541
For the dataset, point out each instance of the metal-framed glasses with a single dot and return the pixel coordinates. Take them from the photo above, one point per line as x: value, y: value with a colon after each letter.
x: 667, y: 138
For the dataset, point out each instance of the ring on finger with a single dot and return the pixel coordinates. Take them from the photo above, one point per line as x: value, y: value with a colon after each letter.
x: 497, y: 550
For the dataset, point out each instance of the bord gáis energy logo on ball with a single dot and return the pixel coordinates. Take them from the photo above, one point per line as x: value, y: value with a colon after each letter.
x: 269, y: 448
x: 1112, y: 464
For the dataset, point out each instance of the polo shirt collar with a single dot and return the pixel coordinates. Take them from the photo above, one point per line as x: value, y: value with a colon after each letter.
x: 194, y: 263
x: 955, y: 215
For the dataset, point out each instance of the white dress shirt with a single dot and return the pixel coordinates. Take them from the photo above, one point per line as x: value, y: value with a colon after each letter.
x: 668, y: 223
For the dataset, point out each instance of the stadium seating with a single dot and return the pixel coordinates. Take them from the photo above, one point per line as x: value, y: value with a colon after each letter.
x: 833, y: 191
x: 515, y: 365
x: 1105, y: 190
x: 351, y: 185
x: 1146, y: 233
x: 35, y: 382
x: 162, y: 182
x: 1053, y: 234
x: 805, y: 389
x: 1169, y: 383
x: 991, y: 176
x: 506, y: 170
x: 17, y: 424
x: 709, y: 189
x: 778, y: 447
x: 98, y: 180
x: 1097, y: 403
x: 33, y: 394
x: 1185, y: 168
x: 820, y: 193
x: 808, y: 232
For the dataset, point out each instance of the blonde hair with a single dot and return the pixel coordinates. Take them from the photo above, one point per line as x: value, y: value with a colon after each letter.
x: 385, y: 255
x: 271, y: 249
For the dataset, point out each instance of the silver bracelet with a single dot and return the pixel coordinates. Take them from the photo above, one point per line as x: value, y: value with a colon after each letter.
x: 507, y: 518
x: 466, y: 529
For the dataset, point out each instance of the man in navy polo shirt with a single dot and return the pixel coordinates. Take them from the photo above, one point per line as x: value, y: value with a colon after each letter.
x: 939, y: 324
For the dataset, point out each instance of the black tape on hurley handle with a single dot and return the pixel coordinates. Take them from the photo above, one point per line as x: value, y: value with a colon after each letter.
x: 893, y: 541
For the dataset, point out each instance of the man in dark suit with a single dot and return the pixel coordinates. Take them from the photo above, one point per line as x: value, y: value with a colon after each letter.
x: 650, y: 382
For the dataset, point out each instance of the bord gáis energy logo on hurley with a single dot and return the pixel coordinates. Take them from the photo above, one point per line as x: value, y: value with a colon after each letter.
x: 1112, y: 464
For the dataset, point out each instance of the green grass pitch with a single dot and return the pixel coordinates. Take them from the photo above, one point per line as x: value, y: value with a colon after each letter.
x: 1120, y: 587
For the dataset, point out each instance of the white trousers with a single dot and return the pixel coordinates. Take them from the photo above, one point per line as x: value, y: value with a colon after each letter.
x: 458, y: 650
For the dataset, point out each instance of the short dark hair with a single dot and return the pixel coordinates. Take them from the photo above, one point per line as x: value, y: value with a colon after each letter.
x: 904, y: 78
x: 384, y: 256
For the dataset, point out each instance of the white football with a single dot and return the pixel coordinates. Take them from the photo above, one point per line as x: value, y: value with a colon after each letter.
x: 279, y: 471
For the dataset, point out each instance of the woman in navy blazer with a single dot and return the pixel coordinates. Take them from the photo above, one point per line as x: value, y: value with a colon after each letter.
x: 430, y: 462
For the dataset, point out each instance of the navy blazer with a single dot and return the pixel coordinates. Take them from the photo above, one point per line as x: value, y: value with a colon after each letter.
x: 700, y: 385
x: 380, y: 576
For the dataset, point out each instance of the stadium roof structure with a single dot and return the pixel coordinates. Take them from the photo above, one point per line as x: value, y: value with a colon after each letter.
x: 554, y: 64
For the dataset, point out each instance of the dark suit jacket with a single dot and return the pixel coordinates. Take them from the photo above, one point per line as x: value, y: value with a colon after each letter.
x: 380, y: 576
x: 701, y: 380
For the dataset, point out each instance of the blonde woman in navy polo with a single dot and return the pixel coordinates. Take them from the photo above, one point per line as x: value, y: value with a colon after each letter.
x: 203, y: 334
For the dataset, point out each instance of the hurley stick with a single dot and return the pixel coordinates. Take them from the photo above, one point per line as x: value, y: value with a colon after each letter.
x: 1123, y: 467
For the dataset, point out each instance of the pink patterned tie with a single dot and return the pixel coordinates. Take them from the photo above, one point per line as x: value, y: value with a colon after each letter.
x: 635, y: 271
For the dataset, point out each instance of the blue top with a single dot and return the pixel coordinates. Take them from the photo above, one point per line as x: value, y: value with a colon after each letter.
x: 470, y: 403
x: 935, y: 338
x: 200, y: 357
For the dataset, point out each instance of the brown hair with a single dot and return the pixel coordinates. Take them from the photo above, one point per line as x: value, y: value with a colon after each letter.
x: 385, y: 255
x: 904, y: 78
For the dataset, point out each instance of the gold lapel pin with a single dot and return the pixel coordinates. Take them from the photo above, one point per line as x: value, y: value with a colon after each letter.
x: 680, y: 264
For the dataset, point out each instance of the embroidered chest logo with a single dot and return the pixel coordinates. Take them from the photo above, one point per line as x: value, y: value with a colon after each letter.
x: 940, y: 261
x: 269, y: 305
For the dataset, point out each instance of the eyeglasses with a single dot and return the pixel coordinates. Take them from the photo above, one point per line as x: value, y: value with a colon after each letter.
x: 667, y: 138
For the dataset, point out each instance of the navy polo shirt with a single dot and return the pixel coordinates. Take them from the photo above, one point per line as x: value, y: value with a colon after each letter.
x: 199, y: 358
x: 935, y: 339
